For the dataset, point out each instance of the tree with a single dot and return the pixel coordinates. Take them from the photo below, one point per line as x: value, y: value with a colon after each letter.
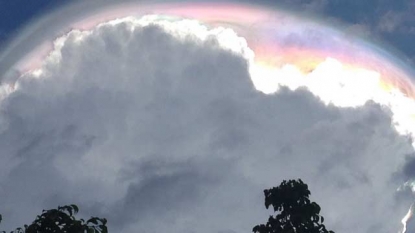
x: 296, y: 213
x: 62, y: 220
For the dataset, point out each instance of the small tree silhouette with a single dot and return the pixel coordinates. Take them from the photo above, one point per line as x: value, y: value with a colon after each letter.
x: 62, y: 220
x: 296, y: 213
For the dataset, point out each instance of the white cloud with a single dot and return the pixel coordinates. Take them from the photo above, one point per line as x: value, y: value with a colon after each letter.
x: 155, y: 124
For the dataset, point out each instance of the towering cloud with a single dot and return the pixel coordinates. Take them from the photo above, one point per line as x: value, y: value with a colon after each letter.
x: 155, y: 124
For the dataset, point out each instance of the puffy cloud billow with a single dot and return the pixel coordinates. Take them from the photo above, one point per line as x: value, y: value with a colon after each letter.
x: 155, y: 124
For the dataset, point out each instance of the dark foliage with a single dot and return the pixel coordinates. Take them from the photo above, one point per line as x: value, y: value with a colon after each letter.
x: 295, y: 212
x: 62, y: 220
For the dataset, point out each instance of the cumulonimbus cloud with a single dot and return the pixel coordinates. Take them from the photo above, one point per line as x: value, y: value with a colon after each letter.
x: 156, y: 125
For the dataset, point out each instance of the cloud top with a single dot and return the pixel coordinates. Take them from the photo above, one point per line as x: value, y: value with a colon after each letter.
x: 156, y: 125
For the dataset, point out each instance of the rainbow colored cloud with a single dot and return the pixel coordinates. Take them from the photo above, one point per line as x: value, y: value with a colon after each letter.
x: 290, y: 51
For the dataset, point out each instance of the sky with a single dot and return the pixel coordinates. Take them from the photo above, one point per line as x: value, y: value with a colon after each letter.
x: 161, y: 124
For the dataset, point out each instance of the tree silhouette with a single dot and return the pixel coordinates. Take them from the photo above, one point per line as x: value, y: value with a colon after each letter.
x: 296, y: 213
x: 62, y: 220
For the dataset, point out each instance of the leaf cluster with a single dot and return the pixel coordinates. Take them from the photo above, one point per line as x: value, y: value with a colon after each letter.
x: 295, y: 212
x: 62, y: 220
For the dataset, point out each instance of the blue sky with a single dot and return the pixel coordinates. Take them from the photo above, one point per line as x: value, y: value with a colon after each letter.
x: 392, y: 22
x: 15, y: 14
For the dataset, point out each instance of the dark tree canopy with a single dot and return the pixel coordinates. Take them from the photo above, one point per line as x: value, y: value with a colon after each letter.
x: 290, y: 200
x: 62, y: 220
x: 295, y: 212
